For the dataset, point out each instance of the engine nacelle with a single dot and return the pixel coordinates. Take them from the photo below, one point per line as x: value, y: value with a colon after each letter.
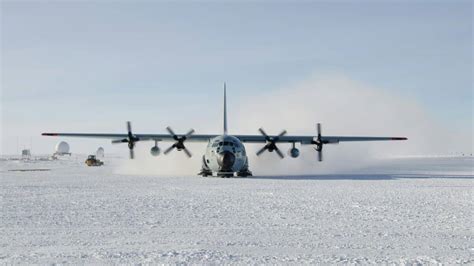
x: 155, y: 151
x: 294, y: 152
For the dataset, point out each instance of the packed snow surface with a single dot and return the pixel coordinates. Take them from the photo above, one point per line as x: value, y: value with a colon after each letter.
x: 412, y: 210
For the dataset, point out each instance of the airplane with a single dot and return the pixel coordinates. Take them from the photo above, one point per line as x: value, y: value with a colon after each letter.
x: 225, y: 154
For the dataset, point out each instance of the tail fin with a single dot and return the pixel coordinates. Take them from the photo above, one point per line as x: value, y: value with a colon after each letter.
x: 225, y: 111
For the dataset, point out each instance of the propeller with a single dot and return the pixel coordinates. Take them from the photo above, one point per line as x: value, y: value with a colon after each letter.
x: 319, y: 143
x: 131, y: 139
x: 271, y: 143
x: 179, y: 144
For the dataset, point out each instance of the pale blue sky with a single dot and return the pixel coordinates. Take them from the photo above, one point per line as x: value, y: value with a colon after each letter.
x: 67, y: 66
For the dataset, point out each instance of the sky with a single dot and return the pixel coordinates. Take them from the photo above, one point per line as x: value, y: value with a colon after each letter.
x: 89, y: 66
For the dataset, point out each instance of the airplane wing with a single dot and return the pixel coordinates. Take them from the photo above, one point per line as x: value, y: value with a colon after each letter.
x: 318, y: 141
x: 131, y: 138
x: 270, y: 141
x: 337, y: 139
x: 244, y: 138
x: 140, y: 137
x: 306, y: 140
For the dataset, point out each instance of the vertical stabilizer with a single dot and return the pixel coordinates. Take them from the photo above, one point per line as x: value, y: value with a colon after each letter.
x: 225, y: 111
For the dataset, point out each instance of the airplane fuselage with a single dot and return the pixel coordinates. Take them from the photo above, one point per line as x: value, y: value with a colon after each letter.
x: 225, y: 155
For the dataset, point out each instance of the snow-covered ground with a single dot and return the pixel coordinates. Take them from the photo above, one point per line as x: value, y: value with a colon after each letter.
x: 395, y: 211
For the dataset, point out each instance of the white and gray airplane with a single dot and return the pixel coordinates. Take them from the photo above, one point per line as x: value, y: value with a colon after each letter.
x: 225, y: 154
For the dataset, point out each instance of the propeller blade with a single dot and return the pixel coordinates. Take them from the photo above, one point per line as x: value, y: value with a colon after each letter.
x: 188, y: 153
x: 170, y: 131
x: 261, y: 150
x: 263, y: 133
x: 129, y: 132
x: 319, y: 149
x: 190, y: 132
x: 169, y: 149
x: 319, y: 130
x: 271, y: 143
x: 279, y: 153
x: 117, y: 141
x: 179, y: 144
x: 282, y: 133
x: 132, y: 154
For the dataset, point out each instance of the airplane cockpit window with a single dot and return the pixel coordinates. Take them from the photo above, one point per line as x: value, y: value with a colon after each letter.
x: 226, y: 143
x: 229, y: 143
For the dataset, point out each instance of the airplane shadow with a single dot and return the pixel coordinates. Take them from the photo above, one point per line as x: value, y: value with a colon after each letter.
x: 360, y: 177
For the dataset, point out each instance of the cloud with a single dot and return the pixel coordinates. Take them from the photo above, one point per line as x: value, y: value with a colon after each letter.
x: 344, y: 107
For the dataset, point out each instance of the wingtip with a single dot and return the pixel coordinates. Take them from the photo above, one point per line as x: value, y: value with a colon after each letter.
x: 49, y: 134
x: 399, y: 138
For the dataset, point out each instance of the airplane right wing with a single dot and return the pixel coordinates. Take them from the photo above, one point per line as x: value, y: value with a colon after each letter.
x: 131, y: 138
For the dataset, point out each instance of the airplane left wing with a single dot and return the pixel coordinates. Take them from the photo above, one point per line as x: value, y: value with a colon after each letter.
x: 306, y: 140
x: 270, y: 142
x: 319, y: 141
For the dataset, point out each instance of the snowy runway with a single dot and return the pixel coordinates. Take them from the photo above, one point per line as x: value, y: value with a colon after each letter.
x: 401, y: 211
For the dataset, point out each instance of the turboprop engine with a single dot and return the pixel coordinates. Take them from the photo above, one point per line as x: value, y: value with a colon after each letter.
x: 155, y: 150
x: 294, y: 152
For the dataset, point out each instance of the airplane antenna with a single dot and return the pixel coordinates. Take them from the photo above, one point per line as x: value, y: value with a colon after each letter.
x: 225, y: 111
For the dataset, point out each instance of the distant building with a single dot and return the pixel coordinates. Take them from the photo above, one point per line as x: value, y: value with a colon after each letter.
x: 62, y: 148
x: 100, y: 153
x: 25, y: 154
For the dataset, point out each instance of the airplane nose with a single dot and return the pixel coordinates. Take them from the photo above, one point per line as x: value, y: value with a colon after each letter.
x: 226, y: 160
